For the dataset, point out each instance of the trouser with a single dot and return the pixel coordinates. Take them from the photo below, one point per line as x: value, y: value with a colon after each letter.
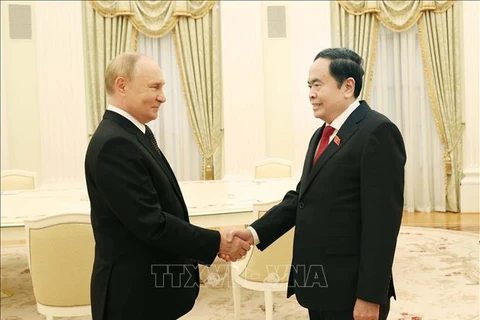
x: 345, y: 315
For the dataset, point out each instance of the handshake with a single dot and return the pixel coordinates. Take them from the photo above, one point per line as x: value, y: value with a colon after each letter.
x: 234, y: 243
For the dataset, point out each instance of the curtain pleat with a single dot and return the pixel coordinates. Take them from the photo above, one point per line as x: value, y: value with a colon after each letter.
x: 198, y: 45
x: 105, y: 38
x: 439, y: 43
x: 399, y: 91
x: 358, y: 33
x: 442, y: 64
x: 172, y: 128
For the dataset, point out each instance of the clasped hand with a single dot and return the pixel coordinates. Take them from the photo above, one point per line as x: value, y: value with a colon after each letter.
x: 234, y: 244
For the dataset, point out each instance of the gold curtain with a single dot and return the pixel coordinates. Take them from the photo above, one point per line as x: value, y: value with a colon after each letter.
x: 442, y: 62
x: 153, y: 18
x: 438, y: 28
x: 197, y: 45
x: 111, y: 28
x: 396, y: 15
x: 358, y: 33
x: 104, y: 39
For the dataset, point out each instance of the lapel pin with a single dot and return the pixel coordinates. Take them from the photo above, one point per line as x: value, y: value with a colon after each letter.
x: 337, y: 140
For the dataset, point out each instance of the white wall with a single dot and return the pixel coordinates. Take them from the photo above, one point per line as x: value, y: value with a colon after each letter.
x: 310, y: 28
x: 3, y: 114
x: 242, y: 85
x: 277, y: 70
x: 470, y: 184
x: 61, y: 91
x: 265, y: 93
x: 20, y: 98
x: 43, y: 96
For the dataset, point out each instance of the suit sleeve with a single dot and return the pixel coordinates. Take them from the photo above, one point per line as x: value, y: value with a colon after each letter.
x: 381, y: 190
x: 278, y: 220
x: 126, y: 185
x: 282, y: 217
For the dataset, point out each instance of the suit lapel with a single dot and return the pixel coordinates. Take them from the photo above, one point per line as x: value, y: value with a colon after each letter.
x: 344, y: 134
x: 311, y: 151
x: 142, y: 138
x: 162, y: 161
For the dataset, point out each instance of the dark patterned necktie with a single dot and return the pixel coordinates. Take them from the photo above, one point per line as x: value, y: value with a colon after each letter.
x: 164, y: 163
x: 151, y: 137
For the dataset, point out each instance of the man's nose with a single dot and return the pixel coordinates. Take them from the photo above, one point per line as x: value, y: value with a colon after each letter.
x: 162, y: 98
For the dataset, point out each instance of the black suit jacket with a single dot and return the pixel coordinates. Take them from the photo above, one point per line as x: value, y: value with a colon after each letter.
x: 347, y: 210
x: 145, y: 247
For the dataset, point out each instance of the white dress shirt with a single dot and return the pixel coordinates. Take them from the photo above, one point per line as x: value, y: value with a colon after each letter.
x: 128, y: 116
x: 340, y: 120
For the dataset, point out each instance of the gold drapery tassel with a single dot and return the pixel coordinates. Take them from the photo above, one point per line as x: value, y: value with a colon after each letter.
x: 207, y: 168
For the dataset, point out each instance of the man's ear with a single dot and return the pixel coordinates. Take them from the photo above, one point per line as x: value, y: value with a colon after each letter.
x: 120, y: 85
x: 349, y: 86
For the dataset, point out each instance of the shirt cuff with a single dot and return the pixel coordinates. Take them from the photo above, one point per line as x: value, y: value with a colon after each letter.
x: 256, y: 240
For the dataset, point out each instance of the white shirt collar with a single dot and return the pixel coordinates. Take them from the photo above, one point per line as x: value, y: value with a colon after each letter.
x: 128, y: 116
x: 340, y: 120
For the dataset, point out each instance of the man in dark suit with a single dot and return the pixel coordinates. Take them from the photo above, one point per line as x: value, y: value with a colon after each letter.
x: 146, y: 251
x: 347, y: 207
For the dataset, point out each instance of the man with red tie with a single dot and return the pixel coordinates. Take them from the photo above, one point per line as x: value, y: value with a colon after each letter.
x: 347, y: 207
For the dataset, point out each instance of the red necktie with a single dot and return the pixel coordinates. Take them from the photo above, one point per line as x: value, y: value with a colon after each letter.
x: 322, y: 145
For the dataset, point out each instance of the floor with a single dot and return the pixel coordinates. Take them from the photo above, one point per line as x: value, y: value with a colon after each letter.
x: 444, y: 220
x: 453, y: 261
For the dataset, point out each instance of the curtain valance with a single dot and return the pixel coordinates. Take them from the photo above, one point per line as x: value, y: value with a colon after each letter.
x: 396, y: 15
x: 153, y: 18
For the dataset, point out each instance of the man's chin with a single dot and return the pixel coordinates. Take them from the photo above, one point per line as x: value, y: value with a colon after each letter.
x: 318, y: 114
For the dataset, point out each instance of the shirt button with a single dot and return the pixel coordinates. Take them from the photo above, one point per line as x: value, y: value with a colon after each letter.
x: 301, y: 205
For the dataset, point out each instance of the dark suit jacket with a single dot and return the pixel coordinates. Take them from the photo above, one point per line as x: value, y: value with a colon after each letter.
x: 347, y: 210
x: 144, y: 243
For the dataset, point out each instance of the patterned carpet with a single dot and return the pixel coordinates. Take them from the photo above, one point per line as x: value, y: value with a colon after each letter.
x: 436, y: 274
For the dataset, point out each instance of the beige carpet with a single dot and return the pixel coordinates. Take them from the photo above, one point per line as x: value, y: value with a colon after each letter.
x: 436, y: 274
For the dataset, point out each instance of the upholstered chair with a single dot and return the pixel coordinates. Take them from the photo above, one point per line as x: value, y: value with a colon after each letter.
x: 265, y: 270
x: 60, y: 257
x: 17, y: 180
x: 273, y: 168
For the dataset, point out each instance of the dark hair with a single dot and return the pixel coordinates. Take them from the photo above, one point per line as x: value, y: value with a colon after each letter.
x: 344, y: 64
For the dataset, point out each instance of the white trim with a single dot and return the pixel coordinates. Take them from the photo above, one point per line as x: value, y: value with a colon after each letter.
x: 51, y: 312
